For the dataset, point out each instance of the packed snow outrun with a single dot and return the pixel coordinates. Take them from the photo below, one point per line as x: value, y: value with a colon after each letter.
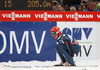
x: 48, y: 65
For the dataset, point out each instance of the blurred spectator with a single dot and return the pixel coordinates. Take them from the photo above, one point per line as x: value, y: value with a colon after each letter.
x: 80, y: 8
x: 71, y: 3
x: 65, y: 2
x: 72, y: 8
x: 75, y: 3
x: 84, y: 7
x: 61, y: 8
x: 98, y: 6
x: 55, y: 5
x: 67, y: 8
x: 97, y: 1
x: 91, y: 6
x: 85, y: 3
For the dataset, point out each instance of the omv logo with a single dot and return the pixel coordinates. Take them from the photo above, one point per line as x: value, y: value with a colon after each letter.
x: 77, y: 32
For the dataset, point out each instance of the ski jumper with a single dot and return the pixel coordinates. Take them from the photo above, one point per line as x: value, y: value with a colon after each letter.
x: 67, y: 47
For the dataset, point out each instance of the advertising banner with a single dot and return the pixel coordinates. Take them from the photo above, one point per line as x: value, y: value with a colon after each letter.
x: 49, y: 16
x: 25, y: 35
x: 25, y: 41
x: 85, y: 34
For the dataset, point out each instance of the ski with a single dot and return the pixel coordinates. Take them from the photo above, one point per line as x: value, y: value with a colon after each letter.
x: 71, y: 66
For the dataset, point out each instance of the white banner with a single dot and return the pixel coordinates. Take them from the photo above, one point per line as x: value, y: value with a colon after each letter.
x: 85, y: 34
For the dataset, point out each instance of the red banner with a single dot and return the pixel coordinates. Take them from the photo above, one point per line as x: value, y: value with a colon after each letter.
x: 49, y: 16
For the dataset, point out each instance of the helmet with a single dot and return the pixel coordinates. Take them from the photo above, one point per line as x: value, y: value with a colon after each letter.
x: 56, y: 30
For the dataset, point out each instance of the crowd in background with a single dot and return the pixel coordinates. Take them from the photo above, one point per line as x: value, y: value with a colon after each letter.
x: 76, y: 5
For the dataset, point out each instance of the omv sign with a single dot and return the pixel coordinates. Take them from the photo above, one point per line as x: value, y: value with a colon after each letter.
x: 27, y: 41
x: 77, y: 32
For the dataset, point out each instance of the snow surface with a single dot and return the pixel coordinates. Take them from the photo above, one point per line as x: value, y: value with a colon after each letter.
x: 32, y: 65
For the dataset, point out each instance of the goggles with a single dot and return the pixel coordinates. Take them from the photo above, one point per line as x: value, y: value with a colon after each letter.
x: 54, y: 33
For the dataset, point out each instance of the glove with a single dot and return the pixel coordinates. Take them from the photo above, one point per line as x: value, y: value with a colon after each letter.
x: 72, y: 54
x: 61, y: 42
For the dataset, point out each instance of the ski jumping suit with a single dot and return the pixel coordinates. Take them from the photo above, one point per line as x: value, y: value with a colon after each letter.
x: 67, y: 47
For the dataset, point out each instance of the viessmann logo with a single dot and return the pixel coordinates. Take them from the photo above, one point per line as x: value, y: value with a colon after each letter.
x: 45, y: 16
x: 76, y: 16
x: 13, y: 15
